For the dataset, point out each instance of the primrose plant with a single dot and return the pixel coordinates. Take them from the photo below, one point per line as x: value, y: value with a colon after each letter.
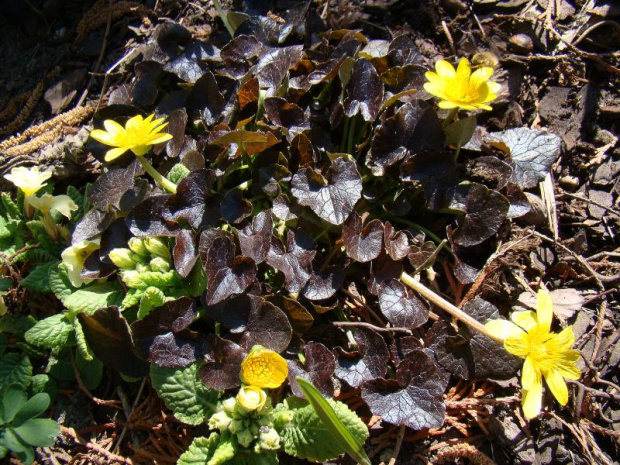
x: 252, y: 426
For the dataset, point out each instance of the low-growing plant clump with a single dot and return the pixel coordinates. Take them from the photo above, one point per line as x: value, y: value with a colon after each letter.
x: 266, y: 234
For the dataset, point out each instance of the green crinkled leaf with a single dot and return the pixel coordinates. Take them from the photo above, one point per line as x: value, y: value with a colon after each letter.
x: 250, y: 458
x: 38, y: 279
x: 91, y: 371
x: 3, y: 344
x: 43, y: 383
x: 224, y: 451
x: 307, y: 436
x: 14, y: 369
x: 151, y: 298
x: 10, y: 208
x: 200, y: 450
x: 16, y: 325
x: 177, y: 173
x: 92, y: 297
x: 59, y: 282
x: 132, y: 298
x: 78, y: 199
x: 184, y: 394
x: 53, y: 331
x: 154, y: 278
x: 80, y: 339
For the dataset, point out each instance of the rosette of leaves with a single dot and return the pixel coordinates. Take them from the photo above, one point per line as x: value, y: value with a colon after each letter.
x: 20, y: 429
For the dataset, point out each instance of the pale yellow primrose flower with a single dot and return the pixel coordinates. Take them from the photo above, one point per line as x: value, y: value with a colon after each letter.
x: 263, y: 368
x: 28, y: 180
x: 74, y: 257
x: 61, y: 203
x: 461, y: 88
x: 138, y: 135
x: 251, y: 398
x: 546, y: 354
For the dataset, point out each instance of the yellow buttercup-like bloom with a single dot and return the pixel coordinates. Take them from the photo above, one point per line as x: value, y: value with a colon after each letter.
x: 28, y: 180
x: 138, y: 135
x: 461, y: 88
x: 74, y: 257
x: 251, y: 398
x: 546, y: 354
x: 263, y: 368
x: 61, y: 203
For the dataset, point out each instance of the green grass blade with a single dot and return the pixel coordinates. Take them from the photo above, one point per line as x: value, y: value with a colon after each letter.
x: 331, y: 421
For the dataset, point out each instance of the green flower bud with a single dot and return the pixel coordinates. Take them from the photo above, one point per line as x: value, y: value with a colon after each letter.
x: 265, y: 420
x: 136, y: 245
x: 132, y: 279
x: 157, y: 247
x: 123, y: 258
x: 269, y: 439
x: 142, y: 268
x: 245, y: 438
x: 220, y: 421
x: 229, y: 405
x: 159, y: 264
x: 236, y: 426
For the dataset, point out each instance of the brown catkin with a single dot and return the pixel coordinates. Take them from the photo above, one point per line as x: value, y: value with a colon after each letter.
x: 463, y: 450
x: 97, y: 16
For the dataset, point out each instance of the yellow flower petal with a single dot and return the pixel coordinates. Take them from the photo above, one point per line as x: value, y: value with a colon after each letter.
x: 503, y: 329
x: 447, y: 105
x: 532, y: 401
x: 562, y: 341
x: 519, y: 346
x: 163, y: 138
x: 114, y: 153
x: 525, y: 320
x: 112, y: 127
x: 263, y: 368
x: 557, y: 385
x: 544, y: 309
x: 463, y: 71
x: 530, y: 376
x: 28, y: 180
x: 480, y: 76
x: 445, y: 69
x: 567, y: 368
x: 104, y: 137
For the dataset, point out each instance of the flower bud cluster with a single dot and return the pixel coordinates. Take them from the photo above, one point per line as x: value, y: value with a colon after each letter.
x: 248, y: 416
x: 146, y: 261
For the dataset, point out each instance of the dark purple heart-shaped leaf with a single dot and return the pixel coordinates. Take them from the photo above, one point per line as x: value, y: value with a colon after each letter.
x: 286, y: 114
x: 222, y: 363
x: 323, y: 285
x: 400, y: 305
x: 255, y: 238
x: 369, y: 362
x: 383, y: 269
x: 267, y: 326
x: 396, y: 242
x: 162, y: 337
x: 115, y: 236
x: 491, y: 360
x: 107, y: 333
x: 301, y: 319
x: 227, y: 275
x: 282, y: 208
x: 271, y: 69
x: 234, y: 207
x: 365, y: 91
x: 485, y: 209
x: 147, y: 218
x: 109, y: 188
x: 191, y: 203
x: 414, y: 399
x: 451, y: 350
x: 362, y: 244
x: 402, y: 346
x: 91, y: 225
x: 185, y: 252
x: 295, y: 261
x: 331, y: 198
x: 318, y: 369
x: 414, y: 129
x: 206, y: 99
x: 435, y: 171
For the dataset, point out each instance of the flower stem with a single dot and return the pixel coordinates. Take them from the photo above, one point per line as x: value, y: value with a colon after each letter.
x: 224, y: 18
x: 157, y: 176
x: 447, y: 306
x: 451, y: 117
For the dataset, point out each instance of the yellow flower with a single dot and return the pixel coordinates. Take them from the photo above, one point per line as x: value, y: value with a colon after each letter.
x: 251, y: 398
x: 138, y: 135
x: 61, y: 203
x: 546, y: 354
x: 28, y: 180
x: 74, y: 257
x: 263, y: 368
x: 461, y: 88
